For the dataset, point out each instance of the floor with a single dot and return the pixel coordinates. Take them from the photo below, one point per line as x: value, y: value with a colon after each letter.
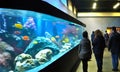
x: 107, y: 64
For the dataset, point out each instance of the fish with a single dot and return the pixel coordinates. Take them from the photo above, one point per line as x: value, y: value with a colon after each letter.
x: 18, y: 25
x: 65, y: 39
x: 35, y: 42
x: 25, y: 38
x: 53, y: 39
x: 17, y: 32
x: 57, y: 36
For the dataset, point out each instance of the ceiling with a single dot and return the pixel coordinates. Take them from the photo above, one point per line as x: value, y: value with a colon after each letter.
x: 102, y: 5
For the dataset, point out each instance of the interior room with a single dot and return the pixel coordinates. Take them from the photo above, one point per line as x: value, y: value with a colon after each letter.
x: 47, y: 35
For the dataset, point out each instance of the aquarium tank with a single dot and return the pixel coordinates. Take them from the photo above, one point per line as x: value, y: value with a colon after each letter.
x: 30, y: 41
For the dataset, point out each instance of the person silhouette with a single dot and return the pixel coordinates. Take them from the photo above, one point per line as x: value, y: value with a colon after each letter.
x: 85, y: 51
x: 114, y: 48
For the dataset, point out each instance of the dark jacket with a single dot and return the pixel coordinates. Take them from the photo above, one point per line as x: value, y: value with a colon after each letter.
x: 114, y: 43
x: 85, y: 49
x: 92, y: 37
x: 98, y: 45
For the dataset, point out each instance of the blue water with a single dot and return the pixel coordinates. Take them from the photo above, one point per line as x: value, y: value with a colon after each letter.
x: 30, y: 33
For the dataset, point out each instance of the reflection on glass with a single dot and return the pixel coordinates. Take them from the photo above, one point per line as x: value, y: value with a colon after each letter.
x: 30, y: 40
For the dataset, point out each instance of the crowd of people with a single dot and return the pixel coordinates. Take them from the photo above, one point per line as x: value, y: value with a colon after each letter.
x: 98, y: 43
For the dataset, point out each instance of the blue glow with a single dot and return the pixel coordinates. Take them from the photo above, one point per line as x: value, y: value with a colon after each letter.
x: 64, y: 2
x: 52, y: 60
x: 54, y: 3
x: 39, y: 27
x: 36, y: 32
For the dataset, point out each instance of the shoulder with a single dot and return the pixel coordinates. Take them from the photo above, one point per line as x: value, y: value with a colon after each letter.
x: 85, y: 40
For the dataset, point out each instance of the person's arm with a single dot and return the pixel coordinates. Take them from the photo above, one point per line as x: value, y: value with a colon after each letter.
x: 94, y: 42
x: 79, y: 48
x: 109, y: 43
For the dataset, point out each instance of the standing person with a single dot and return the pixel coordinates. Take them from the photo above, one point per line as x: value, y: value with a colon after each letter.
x: 98, y: 49
x: 114, y: 47
x: 92, y: 36
x: 106, y: 36
x: 85, y: 51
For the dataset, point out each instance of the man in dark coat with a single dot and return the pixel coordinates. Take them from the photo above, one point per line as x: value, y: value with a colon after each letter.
x: 114, y: 47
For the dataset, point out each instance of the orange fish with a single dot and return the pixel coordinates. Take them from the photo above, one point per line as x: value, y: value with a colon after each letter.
x: 25, y: 37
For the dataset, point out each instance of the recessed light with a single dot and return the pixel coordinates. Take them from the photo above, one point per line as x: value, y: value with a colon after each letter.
x: 116, y: 5
x: 94, y: 5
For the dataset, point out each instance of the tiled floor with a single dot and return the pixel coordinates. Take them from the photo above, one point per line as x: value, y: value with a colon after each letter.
x: 107, y: 64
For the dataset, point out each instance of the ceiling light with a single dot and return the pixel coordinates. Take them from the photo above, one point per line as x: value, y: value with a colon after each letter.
x: 116, y: 5
x: 94, y: 5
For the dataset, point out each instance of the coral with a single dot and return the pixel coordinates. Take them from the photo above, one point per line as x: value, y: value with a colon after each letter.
x: 70, y: 30
x: 2, y: 60
x: 44, y: 55
x: 4, y: 46
x: 22, y: 57
x: 24, y: 62
x: 6, y: 61
x: 42, y: 43
x: 25, y: 65
x: 30, y: 23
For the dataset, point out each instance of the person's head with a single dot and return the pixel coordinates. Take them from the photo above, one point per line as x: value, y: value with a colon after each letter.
x: 98, y: 33
x: 85, y: 34
x: 114, y: 29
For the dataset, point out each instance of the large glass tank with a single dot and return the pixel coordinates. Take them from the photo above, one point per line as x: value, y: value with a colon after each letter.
x: 30, y: 41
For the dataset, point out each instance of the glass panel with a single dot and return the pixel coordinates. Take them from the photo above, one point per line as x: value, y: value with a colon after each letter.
x: 30, y: 41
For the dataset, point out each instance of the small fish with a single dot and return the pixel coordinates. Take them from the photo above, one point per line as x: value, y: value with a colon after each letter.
x: 66, y: 40
x: 25, y: 38
x: 53, y: 39
x: 35, y: 42
x: 18, y: 25
x: 57, y: 36
x: 17, y: 32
